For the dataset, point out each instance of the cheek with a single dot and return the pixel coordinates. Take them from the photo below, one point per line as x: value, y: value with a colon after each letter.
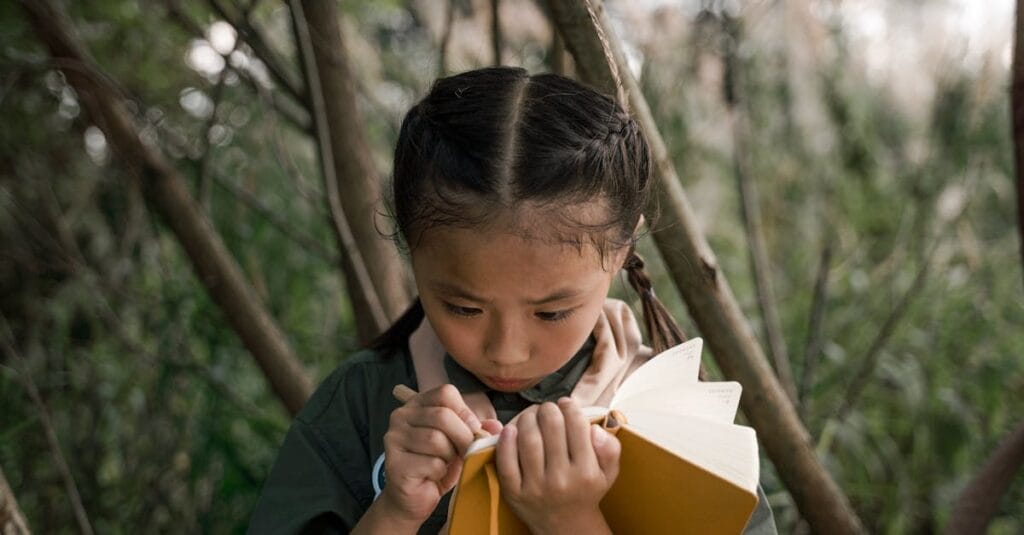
x: 566, y: 337
x: 456, y: 335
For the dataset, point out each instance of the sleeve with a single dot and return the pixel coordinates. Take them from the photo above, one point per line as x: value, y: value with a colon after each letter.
x: 316, y: 484
x: 303, y: 493
x: 762, y: 522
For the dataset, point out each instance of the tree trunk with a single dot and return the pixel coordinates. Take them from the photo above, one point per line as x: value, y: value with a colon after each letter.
x: 370, y: 317
x: 165, y: 190
x: 12, y: 521
x: 708, y: 296
x: 1017, y: 105
x: 358, y: 182
x: 980, y: 499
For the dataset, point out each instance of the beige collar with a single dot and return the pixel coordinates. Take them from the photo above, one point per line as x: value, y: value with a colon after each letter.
x: 619, y: 350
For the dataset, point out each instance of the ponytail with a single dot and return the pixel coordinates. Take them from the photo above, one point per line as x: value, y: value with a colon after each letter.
x: 397, y: 335
x: 662, y: 330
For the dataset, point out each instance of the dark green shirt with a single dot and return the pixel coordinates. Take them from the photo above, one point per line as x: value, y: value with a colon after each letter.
x: 332, y: 457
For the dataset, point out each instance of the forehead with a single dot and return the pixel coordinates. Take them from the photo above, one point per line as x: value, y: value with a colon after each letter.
x: 503, y: 263
x: 556, y: 222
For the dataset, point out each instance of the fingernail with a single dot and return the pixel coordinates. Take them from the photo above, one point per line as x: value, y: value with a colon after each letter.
x: 598, y: 435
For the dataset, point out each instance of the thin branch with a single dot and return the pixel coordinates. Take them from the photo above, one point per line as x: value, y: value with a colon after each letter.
x: 750, y: 210
x: 101, y: 287
x: 164, y: 187
x: 12, y: 521
x: 496, y: 31
x: 7, y: 344
x: 557, y: 58
x: 446, y: 37
x: 709, y: 298
x: 363, y: 286
x: 252, y: 36
x: 1017, y: 105
x: 202, y: 176
x: 253, y: 202
x: 296, y: 114
x: 862, y: 376
x: 816, y: 323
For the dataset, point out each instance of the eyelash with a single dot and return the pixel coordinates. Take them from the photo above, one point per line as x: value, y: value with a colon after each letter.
x: 551, y: 317
x: 466, y: 312
x: 555, y: 317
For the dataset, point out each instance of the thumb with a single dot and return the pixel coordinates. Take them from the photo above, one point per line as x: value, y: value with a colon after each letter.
x: 607, y: 449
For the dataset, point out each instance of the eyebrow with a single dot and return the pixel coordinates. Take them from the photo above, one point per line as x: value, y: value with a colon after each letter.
x: 455, y: 291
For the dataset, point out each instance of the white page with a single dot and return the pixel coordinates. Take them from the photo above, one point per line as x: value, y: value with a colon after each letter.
x: 716, y: 401
x: 726, y: 450
x: 671, y: 368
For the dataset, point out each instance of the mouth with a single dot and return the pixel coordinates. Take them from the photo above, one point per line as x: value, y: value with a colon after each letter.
x: 506, y: 384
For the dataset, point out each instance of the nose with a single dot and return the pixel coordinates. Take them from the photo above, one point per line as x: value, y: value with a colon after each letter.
x: 506, y: 343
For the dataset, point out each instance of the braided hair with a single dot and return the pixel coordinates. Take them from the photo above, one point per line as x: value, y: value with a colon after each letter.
x: 489, y: 139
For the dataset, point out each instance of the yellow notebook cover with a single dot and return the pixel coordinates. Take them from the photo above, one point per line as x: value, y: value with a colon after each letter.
x: 684, y: 467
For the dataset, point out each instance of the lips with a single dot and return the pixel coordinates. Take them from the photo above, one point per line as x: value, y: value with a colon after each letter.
x: 507, y: 384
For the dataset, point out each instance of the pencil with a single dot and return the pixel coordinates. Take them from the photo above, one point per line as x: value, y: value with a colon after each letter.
x: 403, y: 393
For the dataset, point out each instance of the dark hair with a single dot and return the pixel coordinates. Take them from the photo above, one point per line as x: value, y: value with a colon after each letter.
x: 487, y: 140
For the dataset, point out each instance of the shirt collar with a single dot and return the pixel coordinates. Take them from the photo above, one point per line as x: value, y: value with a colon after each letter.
x: 558, y: 384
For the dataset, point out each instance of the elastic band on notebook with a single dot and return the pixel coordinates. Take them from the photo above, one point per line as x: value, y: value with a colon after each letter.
x: 494, y: 490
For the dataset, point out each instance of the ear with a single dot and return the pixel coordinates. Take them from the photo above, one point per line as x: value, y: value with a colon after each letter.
x: 624, y: 254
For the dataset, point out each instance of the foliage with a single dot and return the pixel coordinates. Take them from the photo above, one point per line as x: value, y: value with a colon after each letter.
x: 168, y: 425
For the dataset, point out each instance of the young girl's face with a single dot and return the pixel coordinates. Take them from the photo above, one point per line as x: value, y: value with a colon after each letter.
x: 509, y: 309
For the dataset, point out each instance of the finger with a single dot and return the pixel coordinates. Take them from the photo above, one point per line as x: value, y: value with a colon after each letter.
x: 429, y: 441
x: 576, y: 430
x: 451, y: 477
x: 530, y: 443
x: 491, y: 425
x: 416, y: 467
x: 507, y: 459
x: 443, y: 419
x: 552, y: 429
x: 608, y: 449
x: 447, y: 396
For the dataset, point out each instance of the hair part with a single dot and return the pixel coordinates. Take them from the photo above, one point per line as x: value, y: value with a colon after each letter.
x: 487, y: 144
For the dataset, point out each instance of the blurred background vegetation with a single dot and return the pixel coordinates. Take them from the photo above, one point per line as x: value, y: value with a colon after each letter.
x: 876, y: 133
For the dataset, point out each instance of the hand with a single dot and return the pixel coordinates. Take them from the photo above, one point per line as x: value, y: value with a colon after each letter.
x: 423, y: 449
x: 554, y: 467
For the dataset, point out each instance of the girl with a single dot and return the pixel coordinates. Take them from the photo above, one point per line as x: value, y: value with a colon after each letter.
x: 518, y: 199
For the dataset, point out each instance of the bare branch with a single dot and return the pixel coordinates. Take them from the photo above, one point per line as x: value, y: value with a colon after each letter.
x: 12, y: 521
x: 1017, y: 105
x: 7, y: 344
x: 816, y: 323
x: 496, y: 31
x: 446, y: 38
x: 252, y: 36
x: 164, y: 189
x: 304, y: 240
x: 980, y: 499
x: 355, y: 175
x: 862, y: 376
x: 359, y: 283
x: 708, y: 296
x: 295, y: 114
x: 750, y: 210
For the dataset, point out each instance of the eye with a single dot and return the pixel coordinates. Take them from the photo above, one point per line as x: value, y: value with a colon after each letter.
x: 462, y: 311
x: 560, y: 315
